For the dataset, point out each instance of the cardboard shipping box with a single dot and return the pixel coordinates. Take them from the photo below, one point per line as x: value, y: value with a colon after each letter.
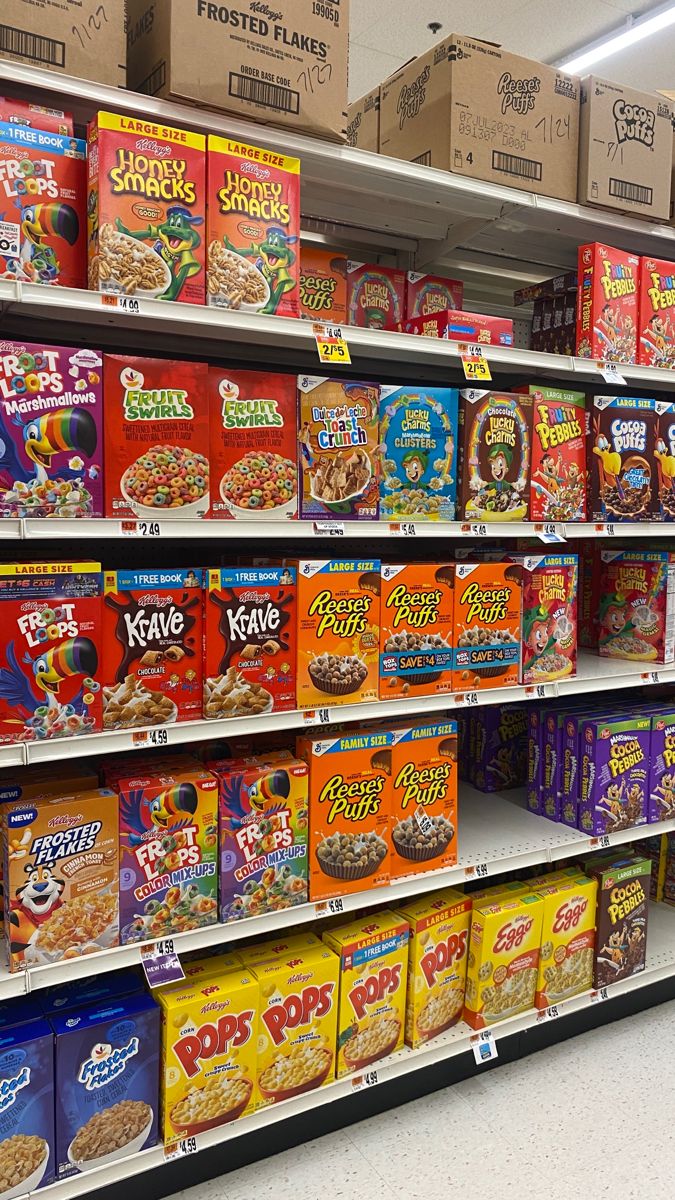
x: 671, y: 96
x: 469, y: 107
x: 284, y: 64
x: 78, y: 37
x: 363, y: 121
x: 625, y: 149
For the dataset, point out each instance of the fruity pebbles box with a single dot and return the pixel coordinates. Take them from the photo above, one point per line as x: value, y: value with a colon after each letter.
x: 439, y: 935
x: 428, y: 294
x: 146, y: 207
x: 549, y: 625
x: 423, y: 798
x: 323, y: 285
x: 253, y: 228
x: 376, y: 295
x: 636, y: 615
x: 338, y: 631
x: 614, y: 774
x: 558, y: 470
x: 51, y: 423
x: 50, y: 681
x: 487, y: 621
x: 416, y: 611
x: 607, y: 303
x: 27, y: 1118
x: 43, y: 180
x: 496, y: 432
x: 418, y: 433
x: 504, y: 958
x: 623, y: 475
x: 656, y: 341
x: 339, y: 437
x: 156, y: 438
x: 253, y: 444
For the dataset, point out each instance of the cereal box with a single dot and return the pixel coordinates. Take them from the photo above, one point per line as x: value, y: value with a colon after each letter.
x: 152, y: 647
x: 168, y: 832
x: 607, y: 304
x: 656, y: 341
x: 503, y: 959
x: 589, y: 592
x: 80, y: 993
x: 278, y: 947
x: 27, y: 1117
x: 249, y: 641
x: 423, y: 798
x: 323, y: 285
x: 614, y: 774
x: 416, y: 611
x: 376, y: 295
x: 636, y: 614
x: 253, y: 228
x: 253, y: 444
x: 209, y: 1047
x: 263, y: 809
x: 373, y: 954
x: 338, y: 631
x: 498, y: 751
x: 661, y: 800
x: 457, y: 326
x: 486, y: 641
x: 558, y: 468
x: 428, y: 294
x: 621, y: 924
x: 156, y: 438
x: 51, y: 423
x: 534, y: 759
x: 49, y: 682
x: 439, y: 934
x: 349, y: 812
x: 567, y: 940
x: 107, y: 1067
x: 49, y: 120
x: 146, y: 207
x: 297, y: 1031
x: 339, y: 437
x: 664, y: 453
x: 60, y: 871
x: 549, y: 625
x: 418, y: 434
x: 43, y: 179
x: 495, y: 430
x: 622, y: 459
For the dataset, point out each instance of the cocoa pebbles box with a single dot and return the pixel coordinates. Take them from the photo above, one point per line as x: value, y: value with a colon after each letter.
x: 662, y: 771
x: 495, y: 438
x: 615, y: 759
x: 636, y: 612
x: 376, y: 295
x: 338, y: 629
x: 621, y: 921
x: 622, y: 459
x: 339, y: 441
x: 607, y: 303
x: 558, y: 469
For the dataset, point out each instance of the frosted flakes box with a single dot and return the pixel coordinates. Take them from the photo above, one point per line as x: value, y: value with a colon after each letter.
x: 27, y: 1146
x: 338, y: 439
x: 439, y: 935
x: 503, y: 959
x: 418, y: 434
x: 567, y: 938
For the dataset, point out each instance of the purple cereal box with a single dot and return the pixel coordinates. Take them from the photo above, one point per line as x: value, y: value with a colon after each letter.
x: 549, y: 766
x: 614, y: 767
x: 661, y: 799
x: 107, y: 1073
x: 534, y: 760
x: 27, y: 1103
x: 500, y: 747
x: 51, y: 406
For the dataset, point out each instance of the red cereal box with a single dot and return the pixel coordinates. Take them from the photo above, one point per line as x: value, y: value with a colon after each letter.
x: 558, y: 465
x: 156, y: 438
x: 152, y: 647
x: 607, y: 304
x: 254, y: 447
x: 43, y: 181
x: 323, y: 285
x: 455, y: 326
x: 656, y: 341
x: 49, y: 681
x: 249, y: 641
x: 427, y: 294
x: 50, y: 120
x: 146, y: 206
x: 549, y: 622
x: 375, y: 294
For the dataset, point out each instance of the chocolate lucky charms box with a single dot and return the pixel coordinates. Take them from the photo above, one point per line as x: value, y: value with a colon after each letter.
x: 495, y: 436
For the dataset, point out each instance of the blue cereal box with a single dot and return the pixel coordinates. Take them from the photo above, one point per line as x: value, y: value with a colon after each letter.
x: 26, y: 1108
x: 107, y: 1072
x: 418, y: 435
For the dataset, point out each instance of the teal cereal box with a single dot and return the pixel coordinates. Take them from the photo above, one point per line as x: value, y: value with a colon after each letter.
x: 418, y: 435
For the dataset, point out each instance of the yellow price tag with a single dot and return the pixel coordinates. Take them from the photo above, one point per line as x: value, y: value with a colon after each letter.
x: 476, y: 367
x: 331, y: 344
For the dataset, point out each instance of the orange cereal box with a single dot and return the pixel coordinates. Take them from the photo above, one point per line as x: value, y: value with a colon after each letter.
x: 349, y: 811
x: 339, y: 439
x: 503, y: 959
x: 416, y: 611
x: 439, y: 935
x: 373, y: 953
x: 338, y: 631
x: 486, y: 643
x: 146, y: 208
x: 253, y: 229
x: 323, y: 285
x: 156, y: 438
x: 423, y: 798
x: 567, y: 939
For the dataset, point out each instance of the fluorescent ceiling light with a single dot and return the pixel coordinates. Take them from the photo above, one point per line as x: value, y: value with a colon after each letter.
x: 635, y: 32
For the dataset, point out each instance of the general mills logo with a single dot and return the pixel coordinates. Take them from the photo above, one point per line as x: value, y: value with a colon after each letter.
x: 634, y: 123
x: 412, y: 97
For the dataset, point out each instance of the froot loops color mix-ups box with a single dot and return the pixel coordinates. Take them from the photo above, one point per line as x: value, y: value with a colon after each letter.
x: 439, y: 935
x: 339, y: 438
x: 338, y: 631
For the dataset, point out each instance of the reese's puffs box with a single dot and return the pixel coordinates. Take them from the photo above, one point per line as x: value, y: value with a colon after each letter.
x: 323, y: 285
x: 338, y: 631
x: 416, y: 607
x: 486, y: 644
x: 423, y: 798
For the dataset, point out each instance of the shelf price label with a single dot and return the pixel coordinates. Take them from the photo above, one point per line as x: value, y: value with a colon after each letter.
x: 161, y: 963
x: 180, y: 1148
x: 149, y: 737
x: 479, y: 871
x: 484, y: 1047
x: 551, y: 532
x: 329, y: 528
x: 331, y: 344
x: 404, y: 529
x: 651, y: 677
x: 475, y: 365
x: 608, y: 530
x: 549, y: 1014
x: 140, y: 529
x: 611, y: 373
x: 367, y: 1080
x: 474, y: 529
x: 541, y: 691
x: 316, y: 716
x: 599, y: 995
x: 126, y: 304
x: 601, y: 843
x: 330, y: 908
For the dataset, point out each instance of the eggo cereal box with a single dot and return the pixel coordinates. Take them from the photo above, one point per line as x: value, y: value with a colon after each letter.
x: 423, y: 798
x: 146, y: 209
x: 656, y: 340
x: 61, y: 877
x: 253, y: 445
x: 209, y: 1048
x: 503, y: 959
x: 558, y: 470
x: 338, y: 439
x: 156, y: 438
x: 323, y: 285
x: 43, y: 181
x: 152, y: 647
x: 168, y: 831
x: 50, y: 679
x: 418, y: 435
x: 567, y: 939
x: 488, y: 598
x: 549, y: 626
x: 338, y: 631
x: 373, y: 954
x: 297, y: 1029
x: 439, y: 935
x: 51, y: 423
x: 416, y: 611
x: 253, y: 228
x: 607, y: 304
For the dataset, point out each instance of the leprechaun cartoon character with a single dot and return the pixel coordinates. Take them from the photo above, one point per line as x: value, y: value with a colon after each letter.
x: 537, y: 635
x: 614, y: 618
x: 175, y: 240
x: 273, y: 258
x: 414, y: 465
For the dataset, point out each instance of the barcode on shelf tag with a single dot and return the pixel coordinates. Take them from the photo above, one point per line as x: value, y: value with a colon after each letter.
x: 331, y: 343
x: 316, y: 716
x: 149, y: 737
x: 161, y: 963
x: 484, y: 1046
x: 366, y: 1080
x: 475, y: 364
x: 611, y: 373
x: 127, y: 304
x: 179, y: 1149
x: 551, y: 533
x: 479, y: 871
x: 329, y: 528
x: 329, y: 908
x: 601, y: 994
x: 650, y: 677
x: 140, y: 529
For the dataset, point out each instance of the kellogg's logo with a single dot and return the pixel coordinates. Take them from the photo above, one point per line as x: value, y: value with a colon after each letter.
x: 634, y: 123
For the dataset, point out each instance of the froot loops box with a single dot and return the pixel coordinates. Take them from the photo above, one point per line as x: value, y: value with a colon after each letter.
x: 656, y: 341
x: 254, y: 448
x: 423, y: 798
x: 503, y: 961
x: 50, y: 678
x: 636, y: 615
x: 338, y: 628
x: 439, y: 935
x: 418, y: 433
x: 323, y: 285
x: 488, y: 599
x: 428, y: 294
x: 156, y: 438
x: 416, y: 627
x: 607, y: 304
x: 549, y: 625
x: 376, y: 295
x: 339, y: 439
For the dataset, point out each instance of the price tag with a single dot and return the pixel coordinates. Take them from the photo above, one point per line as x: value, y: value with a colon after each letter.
x: 330, y: 908
x: 150, y: 737
x: 611, y: 374
x: 549, y: 1014
x: 471, y: 699
x: 316, y: 716
x: 479, y: 871
x: 601, y: 994
x: 541, y: 691
x: 484, y: 1047
x: 550, y: 533
x: 331, y: 344
x: 140, y: 529
x: 179, y: 1149
x: 651, y: 677
x: 127, y: 304
x: 366, y: 1080
x: 601, y: 843
x: 329, y: 528
x: 608, y: 530
x: 478, y: 529
x: 161, y: 963
x: 405, y: 529
x: 476, y: 367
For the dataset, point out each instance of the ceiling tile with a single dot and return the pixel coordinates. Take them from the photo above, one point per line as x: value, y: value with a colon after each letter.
x: 367, y: 68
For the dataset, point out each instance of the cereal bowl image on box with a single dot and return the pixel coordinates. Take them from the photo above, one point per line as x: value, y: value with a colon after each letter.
x: 27, y: 1114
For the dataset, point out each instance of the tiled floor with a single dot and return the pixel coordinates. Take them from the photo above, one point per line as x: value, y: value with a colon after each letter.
x: 589, y: 1119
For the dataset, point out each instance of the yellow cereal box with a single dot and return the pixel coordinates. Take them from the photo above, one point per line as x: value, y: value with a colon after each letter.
x: 272, y: 947
x: 373, y: 956
x: 503, y: 959
x: 209, y: 1043
x: 298, y: 1023
x: 497, y: 891
x: 439, y: 935
x: 567, y: 939
x: 207, y: 968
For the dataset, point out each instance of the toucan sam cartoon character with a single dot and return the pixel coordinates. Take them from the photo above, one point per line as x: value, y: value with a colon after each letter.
x: 39, y: 222
x: 57, y: 432
x: 168, y: 811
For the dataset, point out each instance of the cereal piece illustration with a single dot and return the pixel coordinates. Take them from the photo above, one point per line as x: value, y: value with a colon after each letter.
x: 549, y: 625
x: 423, y: 799
x: 487, y: 619
x: 607, y: 304
x: 376, y: 295
x: 339, y: 456
x: 418, y: 434
x: 495, y: 456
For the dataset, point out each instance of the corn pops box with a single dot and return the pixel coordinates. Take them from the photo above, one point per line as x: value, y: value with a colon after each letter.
x: 338, y: 631
x: 339, y: 439
x: 439, y: 935
x: 487, y: 620
x: 416, y: 611
x: 418, y: 433
x: 423, y: 798
x: 567, y: 939
x: 504, y: 959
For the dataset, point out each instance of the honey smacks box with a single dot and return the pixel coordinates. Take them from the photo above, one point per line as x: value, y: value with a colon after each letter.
x: 209, y: 1051
x: 373, y: 954
x: 503, y: 958
x: 416, y: 610
x: 487, y: 620
x: 423, y: 798
x: 439, y: 936
x: 567, y: 939
x: 338, y: 606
